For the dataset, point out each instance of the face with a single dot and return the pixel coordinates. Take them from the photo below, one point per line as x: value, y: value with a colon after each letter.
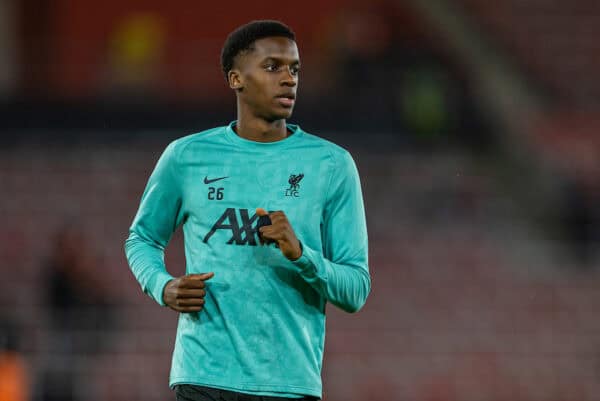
x: 266, y: 78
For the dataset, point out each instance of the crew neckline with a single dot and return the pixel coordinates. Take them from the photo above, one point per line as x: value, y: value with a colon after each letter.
x: 234, y: 137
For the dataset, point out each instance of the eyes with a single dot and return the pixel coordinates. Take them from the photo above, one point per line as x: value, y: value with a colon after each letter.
x: 274, y: 67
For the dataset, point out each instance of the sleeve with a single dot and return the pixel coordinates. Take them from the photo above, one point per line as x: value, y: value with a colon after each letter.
x: 340, y: 272
x: 158, y: 216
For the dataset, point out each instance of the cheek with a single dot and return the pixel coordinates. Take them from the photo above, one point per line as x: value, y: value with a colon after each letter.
x: 255, y: 86
x: 259, y: 88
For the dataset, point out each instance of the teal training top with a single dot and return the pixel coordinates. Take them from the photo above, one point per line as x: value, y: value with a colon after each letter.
x: 262, y: 329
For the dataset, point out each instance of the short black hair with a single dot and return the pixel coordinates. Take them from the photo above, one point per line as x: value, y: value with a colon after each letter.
x: 243, y: 37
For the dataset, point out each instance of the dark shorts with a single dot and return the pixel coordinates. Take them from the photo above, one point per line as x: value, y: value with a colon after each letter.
x: 189, y: 392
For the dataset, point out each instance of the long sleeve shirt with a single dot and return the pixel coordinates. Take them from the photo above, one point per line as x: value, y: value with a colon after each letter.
x: 262, y: 329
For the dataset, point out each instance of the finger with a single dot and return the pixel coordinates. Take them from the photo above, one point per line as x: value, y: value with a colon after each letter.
x: 278, y: 218
x: 190, y: 302
x: 264, y: 239
x: 188, y: 309
x: 261, y: 212
x: 201, y: 276
x: 195, y: 280
x: 191, y: 283
x: 273, y: 229
x: 268, y: 231
x: 272, y: 234
x: 190, y: 293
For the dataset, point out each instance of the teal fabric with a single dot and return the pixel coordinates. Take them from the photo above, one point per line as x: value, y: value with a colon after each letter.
x: 262, y: 330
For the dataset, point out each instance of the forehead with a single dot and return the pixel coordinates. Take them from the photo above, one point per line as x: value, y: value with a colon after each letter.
x: 275, y: 47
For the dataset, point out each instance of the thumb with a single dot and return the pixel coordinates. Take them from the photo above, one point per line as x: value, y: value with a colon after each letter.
x: 261, y: 212
x: 201, y: 276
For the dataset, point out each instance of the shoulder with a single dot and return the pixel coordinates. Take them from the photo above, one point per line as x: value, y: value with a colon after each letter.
x: 194, y: 143
x: 203, y: 137
x: 337, y: 153
x: 341, y: 166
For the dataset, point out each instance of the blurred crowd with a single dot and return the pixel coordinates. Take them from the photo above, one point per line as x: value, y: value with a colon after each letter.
x: 479, y: 236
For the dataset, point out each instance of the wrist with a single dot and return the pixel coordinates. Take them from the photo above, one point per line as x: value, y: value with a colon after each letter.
x: 298, y: 253
x: 164, y: 293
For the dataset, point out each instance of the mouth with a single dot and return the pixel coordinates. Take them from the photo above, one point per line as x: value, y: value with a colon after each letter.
x: 287, y: 99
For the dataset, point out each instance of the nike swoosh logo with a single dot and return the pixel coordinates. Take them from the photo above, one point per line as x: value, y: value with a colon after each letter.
x: 207, y: 181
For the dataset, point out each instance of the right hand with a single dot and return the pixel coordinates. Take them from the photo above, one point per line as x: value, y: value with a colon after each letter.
x: 186, y: 293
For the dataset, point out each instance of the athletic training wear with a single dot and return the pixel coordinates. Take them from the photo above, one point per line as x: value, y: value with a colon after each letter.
x: 262, y: 329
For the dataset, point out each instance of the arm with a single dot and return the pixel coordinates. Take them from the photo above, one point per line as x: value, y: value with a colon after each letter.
x: 340, y: 272
x: 158, y: 216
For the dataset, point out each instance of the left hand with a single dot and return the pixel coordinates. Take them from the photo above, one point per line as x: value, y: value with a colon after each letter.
x: 281, y: 232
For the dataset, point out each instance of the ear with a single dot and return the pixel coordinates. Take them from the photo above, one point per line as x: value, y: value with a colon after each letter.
x: 235, y: 80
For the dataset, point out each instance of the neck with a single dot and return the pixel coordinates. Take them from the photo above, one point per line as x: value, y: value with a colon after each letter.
x: 260, y: 130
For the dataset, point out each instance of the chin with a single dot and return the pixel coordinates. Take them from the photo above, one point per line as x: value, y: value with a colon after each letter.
x: 280, y: 115
x: 287, y: 113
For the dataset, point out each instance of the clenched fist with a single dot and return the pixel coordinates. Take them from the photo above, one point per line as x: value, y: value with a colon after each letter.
x: 186, y: 293
x: 280, y: 231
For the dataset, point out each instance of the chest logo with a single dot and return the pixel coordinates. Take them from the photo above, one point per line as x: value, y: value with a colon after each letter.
x: 294, y: 189
x: 243, y: 229
x: 211, y: 180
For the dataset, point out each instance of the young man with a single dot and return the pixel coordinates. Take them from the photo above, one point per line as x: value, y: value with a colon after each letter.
x: 274, y: 228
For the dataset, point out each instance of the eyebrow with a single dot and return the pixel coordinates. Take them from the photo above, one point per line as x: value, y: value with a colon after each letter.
x: 281, y: 60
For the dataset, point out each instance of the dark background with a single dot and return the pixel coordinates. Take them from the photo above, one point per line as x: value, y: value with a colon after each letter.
x: 475, y: 128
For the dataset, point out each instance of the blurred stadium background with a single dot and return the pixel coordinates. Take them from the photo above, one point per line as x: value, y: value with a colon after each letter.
x: 475, y: 126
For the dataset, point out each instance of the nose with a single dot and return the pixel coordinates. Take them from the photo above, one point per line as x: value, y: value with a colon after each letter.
x: 288, y: 78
